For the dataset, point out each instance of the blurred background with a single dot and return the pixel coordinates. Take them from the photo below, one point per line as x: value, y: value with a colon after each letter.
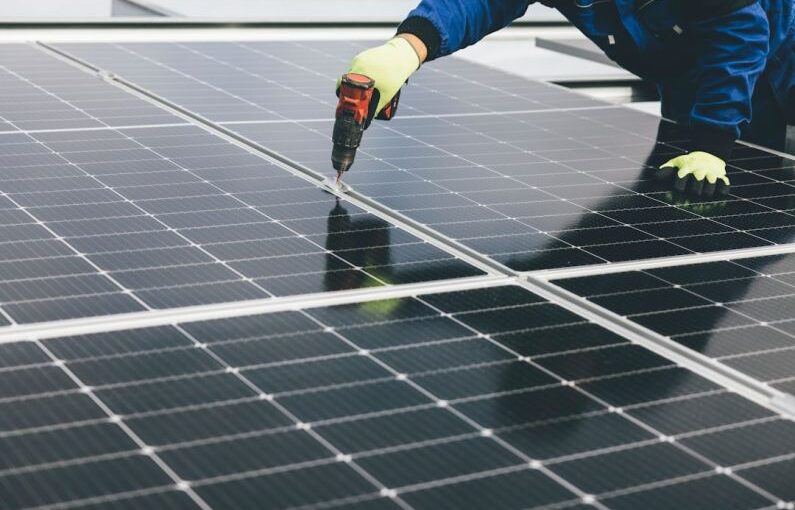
x: 269, y: 10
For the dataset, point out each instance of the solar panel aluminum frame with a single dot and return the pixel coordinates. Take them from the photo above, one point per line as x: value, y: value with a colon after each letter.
x: 53, y: 329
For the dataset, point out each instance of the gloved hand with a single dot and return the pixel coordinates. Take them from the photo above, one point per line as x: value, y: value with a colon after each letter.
x: 389, y: 65
x: 698, y: 173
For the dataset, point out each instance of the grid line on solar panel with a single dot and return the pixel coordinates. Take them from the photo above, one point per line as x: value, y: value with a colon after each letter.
x: 737, y: 312
x: 156, y: 466
x: 239, y: 237
x: 489, y: 315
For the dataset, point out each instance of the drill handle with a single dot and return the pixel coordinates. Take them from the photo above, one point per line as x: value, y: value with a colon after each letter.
x: 390, y: 109
x: 386, y: 113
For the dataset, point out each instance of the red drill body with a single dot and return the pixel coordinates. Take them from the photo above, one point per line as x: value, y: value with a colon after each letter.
x: 355, y: 110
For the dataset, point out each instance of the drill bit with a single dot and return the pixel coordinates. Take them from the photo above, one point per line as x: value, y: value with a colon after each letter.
x: 339, y: 176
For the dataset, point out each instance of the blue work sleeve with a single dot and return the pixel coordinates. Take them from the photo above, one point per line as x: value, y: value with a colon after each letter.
x: 460, y: 23
x: 733, y: 52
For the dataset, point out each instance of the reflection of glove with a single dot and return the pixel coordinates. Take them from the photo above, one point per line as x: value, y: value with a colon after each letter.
x: 389, y: 66
x: 699, y: 173
x: 696, y: 206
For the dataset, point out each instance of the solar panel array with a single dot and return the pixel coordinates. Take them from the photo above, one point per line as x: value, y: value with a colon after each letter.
x: 486, y: 396
x: 739, y: 312
x: 256, y: 81
x: 536, y: 190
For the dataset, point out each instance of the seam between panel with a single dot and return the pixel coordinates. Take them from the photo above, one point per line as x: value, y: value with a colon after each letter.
x: 658, y: 262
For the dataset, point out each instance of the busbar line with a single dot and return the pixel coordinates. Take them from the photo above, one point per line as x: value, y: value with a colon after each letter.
x: 717, y: 372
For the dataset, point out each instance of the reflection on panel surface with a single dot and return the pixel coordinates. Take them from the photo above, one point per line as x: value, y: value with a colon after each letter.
x: 569, y: 183
x: 108, y: 221
x: 458, y: 396
x: 739, y: 312
x: 549, y: 190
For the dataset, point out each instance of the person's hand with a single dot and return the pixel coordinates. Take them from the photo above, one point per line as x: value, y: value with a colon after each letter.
x: 697, y: 173
x: 388, y: 65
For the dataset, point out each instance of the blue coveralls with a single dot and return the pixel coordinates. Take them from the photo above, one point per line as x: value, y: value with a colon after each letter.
x: 726, y: 68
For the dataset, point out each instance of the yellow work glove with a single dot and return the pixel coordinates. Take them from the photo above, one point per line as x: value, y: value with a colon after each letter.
x: 388, y: 65
x: 698, y: 173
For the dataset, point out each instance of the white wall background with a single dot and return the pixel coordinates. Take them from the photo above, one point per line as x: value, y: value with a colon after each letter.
x: 54, y: 8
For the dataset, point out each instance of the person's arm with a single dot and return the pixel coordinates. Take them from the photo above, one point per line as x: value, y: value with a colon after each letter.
x: 446, y: 26
x: 433, y: 29
x: 734, y: 46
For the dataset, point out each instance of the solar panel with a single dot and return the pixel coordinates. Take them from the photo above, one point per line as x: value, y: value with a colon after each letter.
x: 534, y: 190
x: 738, y: 312
x: 42, y: 92
x: 461, y: 399
x: 113, y: 221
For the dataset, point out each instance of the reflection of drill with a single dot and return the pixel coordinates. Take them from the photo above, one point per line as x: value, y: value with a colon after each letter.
x: 356, y: 108
x: 362, y: 241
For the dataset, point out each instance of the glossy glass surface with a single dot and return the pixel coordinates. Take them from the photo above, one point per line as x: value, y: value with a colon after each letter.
x: 431, y: 397
x: 485, y: 158
x: 128, y: 220
x: 739, y: 312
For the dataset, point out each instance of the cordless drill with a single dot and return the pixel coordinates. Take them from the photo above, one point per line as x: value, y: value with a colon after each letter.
x: 356, y: 108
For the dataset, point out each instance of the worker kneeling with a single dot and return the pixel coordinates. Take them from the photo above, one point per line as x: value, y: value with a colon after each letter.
x: 724, y: 68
